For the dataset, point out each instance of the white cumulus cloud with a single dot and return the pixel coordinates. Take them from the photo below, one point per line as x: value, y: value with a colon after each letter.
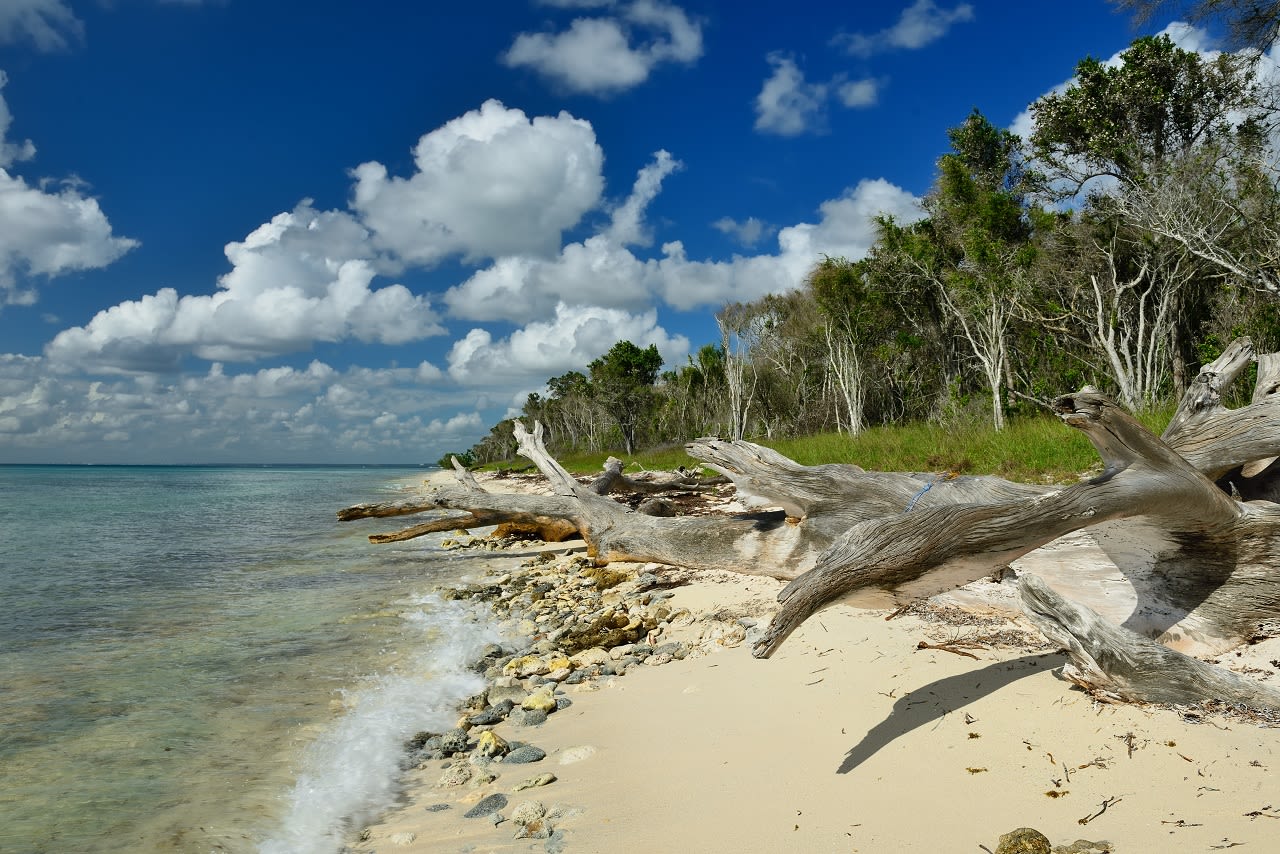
x: 788, y: 105
x: 846, y: 229
x: 604, y: 55
x: 597, y: 271
x: 628, y: 219
x: 286, y: 414
x: 491, y: 182
x: 11, y: 152
x: 570, y: 340
x: 304, y: 276
x: 600, y: 272
x: 49, y: 233
x: 44, y: 232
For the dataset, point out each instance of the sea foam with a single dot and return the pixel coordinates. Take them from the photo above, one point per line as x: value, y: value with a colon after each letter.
x: 352, y: 771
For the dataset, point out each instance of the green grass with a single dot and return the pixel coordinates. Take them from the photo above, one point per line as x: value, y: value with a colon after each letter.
x: 1039, y: 449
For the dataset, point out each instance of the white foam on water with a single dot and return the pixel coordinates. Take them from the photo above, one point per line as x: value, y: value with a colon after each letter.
x: 352, y: 771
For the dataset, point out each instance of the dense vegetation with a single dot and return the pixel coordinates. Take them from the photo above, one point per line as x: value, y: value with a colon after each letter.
x: 1129, y: 239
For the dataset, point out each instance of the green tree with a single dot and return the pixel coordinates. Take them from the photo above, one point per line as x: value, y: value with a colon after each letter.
x: 856, y: 319
x: 622, y: 380
x: 573, y: 415
x: 1128, y: 121
x: 974, y: 250
x: 694, y: 397
x: 1180, y: 137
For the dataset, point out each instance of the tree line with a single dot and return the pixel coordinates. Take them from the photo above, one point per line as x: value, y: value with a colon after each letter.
x: 1124, y: 243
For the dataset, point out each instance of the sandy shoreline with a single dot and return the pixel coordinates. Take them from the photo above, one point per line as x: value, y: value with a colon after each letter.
x: 851, y: 739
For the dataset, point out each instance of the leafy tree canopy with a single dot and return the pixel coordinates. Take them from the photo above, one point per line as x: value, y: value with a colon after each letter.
x: 1127, y: 120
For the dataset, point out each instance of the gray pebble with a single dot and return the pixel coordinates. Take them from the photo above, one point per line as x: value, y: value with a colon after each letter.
x: 437, y: 808
x: 526, y: 753
x: 527, y: 717
x: 487, y: 806
x: 492, y: 715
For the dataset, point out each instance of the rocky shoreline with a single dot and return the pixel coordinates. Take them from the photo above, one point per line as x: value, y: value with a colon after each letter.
x: 580, y: 626
x: 627, y: 703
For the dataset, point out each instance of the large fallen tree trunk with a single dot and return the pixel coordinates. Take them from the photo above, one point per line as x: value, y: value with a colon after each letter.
x: 1205, y: 577
x: 1168, y: 510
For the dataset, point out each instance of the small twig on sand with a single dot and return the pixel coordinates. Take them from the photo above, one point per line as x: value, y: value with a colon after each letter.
x: 1108, y: 802
x: 953, y: 646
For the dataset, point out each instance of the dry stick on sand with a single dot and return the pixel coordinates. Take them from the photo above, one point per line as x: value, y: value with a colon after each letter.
x: 1111, y: 801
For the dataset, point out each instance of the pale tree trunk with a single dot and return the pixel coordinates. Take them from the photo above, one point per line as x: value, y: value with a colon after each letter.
x: 846, y: 369
x: 1132, y: 324
x: 735, y: 375
x: 987, y: 336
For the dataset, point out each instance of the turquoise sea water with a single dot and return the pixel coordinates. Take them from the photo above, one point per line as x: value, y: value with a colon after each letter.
x: 203, y: 659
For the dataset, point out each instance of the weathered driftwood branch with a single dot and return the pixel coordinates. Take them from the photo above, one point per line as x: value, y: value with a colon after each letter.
x: 1120, y: 664
x: 1202, y: 563
x: 1203, y: 396
x: 407, y: 507
x: 753, y: 543
x: 1217, y: 440
x: 841, y: 495
x: 1202, y: 583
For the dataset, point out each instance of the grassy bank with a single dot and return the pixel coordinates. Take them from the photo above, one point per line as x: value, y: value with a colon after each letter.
x: 1033, y: 450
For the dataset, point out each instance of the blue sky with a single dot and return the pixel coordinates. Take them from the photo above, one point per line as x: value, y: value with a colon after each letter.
x: 265, y: 231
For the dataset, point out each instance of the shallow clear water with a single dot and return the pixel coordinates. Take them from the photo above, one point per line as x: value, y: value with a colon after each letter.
x: 203, y: 659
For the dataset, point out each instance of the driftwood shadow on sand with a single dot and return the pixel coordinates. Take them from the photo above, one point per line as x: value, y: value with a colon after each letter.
x: 932, y: 702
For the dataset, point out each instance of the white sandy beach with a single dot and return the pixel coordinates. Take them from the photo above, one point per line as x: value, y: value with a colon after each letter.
x: 852, y: 739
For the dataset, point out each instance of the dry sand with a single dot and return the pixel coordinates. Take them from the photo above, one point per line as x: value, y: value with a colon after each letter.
x: 851, y: 739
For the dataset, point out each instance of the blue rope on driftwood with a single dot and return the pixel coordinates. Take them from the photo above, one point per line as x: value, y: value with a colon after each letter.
x: 911, y: 504
x: 928, y: 486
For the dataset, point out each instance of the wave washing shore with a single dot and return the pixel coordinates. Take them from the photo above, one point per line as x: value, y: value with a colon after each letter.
x: 200, y: 659
x: 635, y: 716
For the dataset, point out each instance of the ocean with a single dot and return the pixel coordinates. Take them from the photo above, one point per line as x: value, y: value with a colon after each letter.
x: 203, y: 659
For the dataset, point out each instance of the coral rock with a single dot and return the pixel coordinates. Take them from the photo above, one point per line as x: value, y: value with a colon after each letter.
x: 1024, y: 840
x: 492, y: 744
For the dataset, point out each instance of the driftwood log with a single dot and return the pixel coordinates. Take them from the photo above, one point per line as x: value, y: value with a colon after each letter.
x: 1187, y: 517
